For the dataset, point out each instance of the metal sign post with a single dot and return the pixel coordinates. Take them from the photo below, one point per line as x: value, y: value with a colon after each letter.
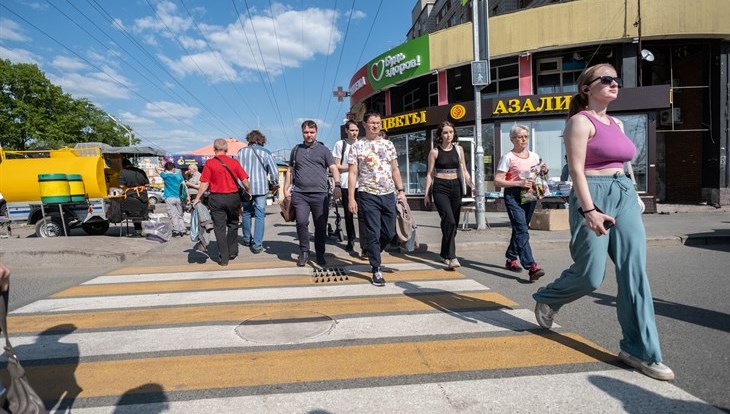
x: 480, y: 78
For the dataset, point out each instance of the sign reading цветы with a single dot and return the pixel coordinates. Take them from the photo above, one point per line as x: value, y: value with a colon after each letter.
x: 401, y: 63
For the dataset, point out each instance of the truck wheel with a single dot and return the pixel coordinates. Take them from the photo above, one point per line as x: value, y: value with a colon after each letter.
x: 96, y: 228
x: 47, y: 227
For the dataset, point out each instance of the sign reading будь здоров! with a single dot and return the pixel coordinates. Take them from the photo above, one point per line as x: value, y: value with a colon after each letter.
x: 401, y: 63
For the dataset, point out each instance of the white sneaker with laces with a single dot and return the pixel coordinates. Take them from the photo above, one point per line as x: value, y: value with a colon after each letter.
x: 655, y: 370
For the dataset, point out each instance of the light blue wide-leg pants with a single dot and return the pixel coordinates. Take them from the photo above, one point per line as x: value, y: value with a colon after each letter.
x: 625, y: 244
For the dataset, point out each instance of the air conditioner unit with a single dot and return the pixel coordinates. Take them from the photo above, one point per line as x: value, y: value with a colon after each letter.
x: 667, y: 116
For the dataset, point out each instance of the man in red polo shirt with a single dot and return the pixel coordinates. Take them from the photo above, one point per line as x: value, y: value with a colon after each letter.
x: 224, y: 202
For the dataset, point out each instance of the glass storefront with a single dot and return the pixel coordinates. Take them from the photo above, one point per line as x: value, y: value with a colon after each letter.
x: 412, y: 152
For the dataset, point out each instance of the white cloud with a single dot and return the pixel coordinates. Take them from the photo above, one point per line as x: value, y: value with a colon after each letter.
x: 9, y: 30
x: 320, y: 123
x: 212, y: 66
x: 192, y: 43
x: 68, y: 64
x: 358, y: 14
x: 287, y: 39
x: 175, y: 141
x: 170, y: 110
x: 135, y: 120
x: 107, y: 84
x: 19, y: 56
x: 164, y: 20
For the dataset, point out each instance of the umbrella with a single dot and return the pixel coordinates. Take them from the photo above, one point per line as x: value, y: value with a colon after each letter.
x: 233, y: 146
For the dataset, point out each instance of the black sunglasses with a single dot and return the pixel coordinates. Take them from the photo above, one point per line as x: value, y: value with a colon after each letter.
x: 607, y: 80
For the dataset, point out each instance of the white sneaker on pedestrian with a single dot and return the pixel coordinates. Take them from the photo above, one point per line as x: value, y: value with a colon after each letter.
x: 544, y: 315
x: 454, y: 263
x: 655, y: 370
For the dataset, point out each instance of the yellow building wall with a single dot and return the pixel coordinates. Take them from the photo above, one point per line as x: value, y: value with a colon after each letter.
x: 584, y: 22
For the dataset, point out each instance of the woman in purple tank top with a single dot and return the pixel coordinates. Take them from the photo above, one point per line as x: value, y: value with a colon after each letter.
x: 605, y: 221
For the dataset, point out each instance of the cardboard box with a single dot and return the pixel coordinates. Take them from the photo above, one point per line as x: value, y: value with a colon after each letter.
x: 552, y: 219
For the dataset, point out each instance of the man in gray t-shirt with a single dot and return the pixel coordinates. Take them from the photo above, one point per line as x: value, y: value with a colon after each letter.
x: 308, y: 186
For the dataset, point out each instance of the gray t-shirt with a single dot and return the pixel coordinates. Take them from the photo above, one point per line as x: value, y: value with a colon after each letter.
x: 311, y: 168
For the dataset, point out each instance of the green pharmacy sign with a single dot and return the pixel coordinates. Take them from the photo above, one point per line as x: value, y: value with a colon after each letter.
x: 401, y: 63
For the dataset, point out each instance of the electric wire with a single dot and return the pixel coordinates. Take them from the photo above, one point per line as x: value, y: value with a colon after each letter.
x: 218, y: 60
x: 202, y: 72
x: 263, y: 62
x: 281, y: 61
x: 115, y: 80
x: 258, y: 71
x: 100, y: 9
x: 327, y: 59
x: 337, y: 70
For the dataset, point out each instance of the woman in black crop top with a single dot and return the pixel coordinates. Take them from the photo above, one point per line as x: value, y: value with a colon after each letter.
x: 446, y: 181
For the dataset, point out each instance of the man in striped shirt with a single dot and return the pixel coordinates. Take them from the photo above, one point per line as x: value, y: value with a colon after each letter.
x: 260, y: 165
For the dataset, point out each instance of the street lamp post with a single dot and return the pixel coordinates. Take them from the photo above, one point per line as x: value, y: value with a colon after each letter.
x: 129, y: 133
x: 481, y: 58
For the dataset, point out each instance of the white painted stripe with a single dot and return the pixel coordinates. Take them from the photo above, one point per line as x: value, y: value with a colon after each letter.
x: 615, y: 391
x: 246, y: 295
x: 229, y: 274
x: 224, y: 335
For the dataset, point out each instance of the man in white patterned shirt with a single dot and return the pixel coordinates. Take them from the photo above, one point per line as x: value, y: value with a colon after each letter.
x: 374, y: 167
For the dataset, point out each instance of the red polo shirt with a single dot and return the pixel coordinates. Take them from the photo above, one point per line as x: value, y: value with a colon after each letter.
x: 218, y: 177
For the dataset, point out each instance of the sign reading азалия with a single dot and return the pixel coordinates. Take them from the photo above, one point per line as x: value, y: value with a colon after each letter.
x: 401, y: 63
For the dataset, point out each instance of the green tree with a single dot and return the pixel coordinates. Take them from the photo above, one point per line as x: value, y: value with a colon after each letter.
x: 36, y: 114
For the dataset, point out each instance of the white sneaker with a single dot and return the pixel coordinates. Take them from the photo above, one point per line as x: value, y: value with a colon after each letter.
x: 453, y: 264
x: 655, y: 370
x: 544, y: 315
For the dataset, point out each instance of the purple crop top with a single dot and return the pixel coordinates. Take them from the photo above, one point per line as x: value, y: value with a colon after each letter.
x: 609, y: 148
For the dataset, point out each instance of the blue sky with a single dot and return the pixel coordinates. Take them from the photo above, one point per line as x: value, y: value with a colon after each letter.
x: 183, y: 72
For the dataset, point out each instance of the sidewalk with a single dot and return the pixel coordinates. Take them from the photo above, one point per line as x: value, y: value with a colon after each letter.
x: 705, y: 225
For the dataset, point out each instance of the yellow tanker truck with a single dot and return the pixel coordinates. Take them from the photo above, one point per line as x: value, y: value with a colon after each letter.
x: 33, y: 186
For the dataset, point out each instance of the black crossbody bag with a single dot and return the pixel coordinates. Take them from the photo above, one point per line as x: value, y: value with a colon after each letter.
x: 243, y: 194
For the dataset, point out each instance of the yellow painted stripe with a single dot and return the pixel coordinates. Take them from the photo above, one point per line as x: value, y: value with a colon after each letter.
x: 373, y: 305
x: 242, y: 283
x: 230, y: 370
x: 244, y: 264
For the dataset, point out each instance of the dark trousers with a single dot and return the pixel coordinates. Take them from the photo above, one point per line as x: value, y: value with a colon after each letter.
x: 224, y: 211
x: 379, y: 214
x: 447, y: 198
x: 318, y: 205
x: 349, y: 217
x: 519, y: 217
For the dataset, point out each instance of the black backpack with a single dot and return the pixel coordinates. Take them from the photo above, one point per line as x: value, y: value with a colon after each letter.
x: 114, y: 212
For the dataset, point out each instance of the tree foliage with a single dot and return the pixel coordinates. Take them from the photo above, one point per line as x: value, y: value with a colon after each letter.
x: 36, y: 114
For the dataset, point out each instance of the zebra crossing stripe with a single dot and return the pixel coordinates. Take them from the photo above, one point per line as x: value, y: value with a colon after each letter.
x: 210, y: 371
x: 217, y: 313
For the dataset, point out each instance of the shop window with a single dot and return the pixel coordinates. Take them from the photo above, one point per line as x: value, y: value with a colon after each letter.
x: 412, y: 158
x: 505, y: 81
x: 558, y: 74
x: 545, y: 139
x: 411, y: 99
x: 635, y: 127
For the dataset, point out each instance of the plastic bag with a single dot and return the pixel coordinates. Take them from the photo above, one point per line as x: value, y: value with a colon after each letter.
x: 539, y: 187
x: 156, y: 230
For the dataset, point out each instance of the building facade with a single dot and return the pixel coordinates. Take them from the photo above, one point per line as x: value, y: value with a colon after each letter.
x: 674, y: 103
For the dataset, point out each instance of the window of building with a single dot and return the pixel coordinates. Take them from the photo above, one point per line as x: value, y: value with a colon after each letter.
x: 433, y: 93
x: 558, y: 74
x: 411, y: 99
x: 412, y: 160
x: 505, y: 81
x: 636, y: 128
x: 452, y: 21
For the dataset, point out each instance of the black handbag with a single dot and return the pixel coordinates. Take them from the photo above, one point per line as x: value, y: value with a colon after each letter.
x: 20, y: 396
x: 243, y: 194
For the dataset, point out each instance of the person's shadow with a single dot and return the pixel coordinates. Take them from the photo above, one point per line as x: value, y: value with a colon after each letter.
x: 63, y: 388
x: 151, y: 395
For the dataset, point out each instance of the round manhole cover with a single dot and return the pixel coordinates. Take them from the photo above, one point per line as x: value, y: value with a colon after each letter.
x: 284, y: 327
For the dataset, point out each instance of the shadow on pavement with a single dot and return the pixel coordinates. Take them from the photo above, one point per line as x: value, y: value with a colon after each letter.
x: 690, y: 314
x: 637, y: 400
x: 487, y: 268
x: 152, y: 395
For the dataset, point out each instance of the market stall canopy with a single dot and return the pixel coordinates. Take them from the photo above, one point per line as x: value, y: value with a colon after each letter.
x: 233, y: 146
x: 138, y: 150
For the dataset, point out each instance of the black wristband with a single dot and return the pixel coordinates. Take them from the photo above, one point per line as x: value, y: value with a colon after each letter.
x: 400, y: 190
x: 583, y: 213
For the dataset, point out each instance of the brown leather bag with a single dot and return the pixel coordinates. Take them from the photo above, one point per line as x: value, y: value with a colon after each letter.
x: 287, y: 210
x: 20, y: 397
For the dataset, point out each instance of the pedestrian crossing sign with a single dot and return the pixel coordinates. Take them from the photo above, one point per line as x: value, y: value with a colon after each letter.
x: 480, y: 73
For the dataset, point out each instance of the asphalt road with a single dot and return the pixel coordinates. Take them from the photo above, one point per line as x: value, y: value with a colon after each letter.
x: 689, y: 286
